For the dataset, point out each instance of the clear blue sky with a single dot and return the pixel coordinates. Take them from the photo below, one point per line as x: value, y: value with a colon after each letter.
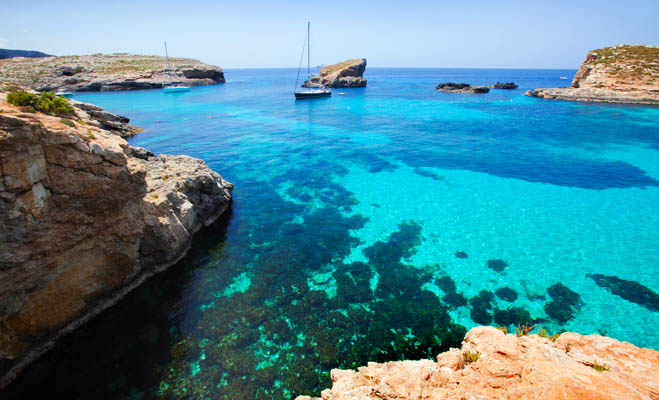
x: 404, y: 33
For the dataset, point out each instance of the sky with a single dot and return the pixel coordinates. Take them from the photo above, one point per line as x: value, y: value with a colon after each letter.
x: 270, y: 34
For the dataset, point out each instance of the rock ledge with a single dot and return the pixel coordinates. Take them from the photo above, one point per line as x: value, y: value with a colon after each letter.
x: 345, y: 74
x: 575, y: 367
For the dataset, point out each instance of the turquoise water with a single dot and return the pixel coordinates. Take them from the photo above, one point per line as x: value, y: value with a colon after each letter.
x: 378, y: 225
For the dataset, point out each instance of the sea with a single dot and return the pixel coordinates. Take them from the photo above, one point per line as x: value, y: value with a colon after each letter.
x: 379, y: 224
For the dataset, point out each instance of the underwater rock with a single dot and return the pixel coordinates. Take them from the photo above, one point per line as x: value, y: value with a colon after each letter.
x: 506, y: 293
x: 461, y: 254
x: 628, y: 290
x: 564, y: 304
x: 481, y: 307
x: 512, y: 316
x: 509, y: 367
x: 497, y: 265
x: 455, y: 300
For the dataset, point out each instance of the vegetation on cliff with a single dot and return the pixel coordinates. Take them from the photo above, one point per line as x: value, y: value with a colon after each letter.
x: 45, y: 102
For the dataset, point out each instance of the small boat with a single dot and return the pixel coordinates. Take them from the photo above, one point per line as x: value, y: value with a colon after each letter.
x: 170, y: 87
x: 564, y: 77
x: 312, y: 92
x: 64, y: 93
x: 341, y: 94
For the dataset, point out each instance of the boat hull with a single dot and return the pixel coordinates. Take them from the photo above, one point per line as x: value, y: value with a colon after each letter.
x: 311, y: 95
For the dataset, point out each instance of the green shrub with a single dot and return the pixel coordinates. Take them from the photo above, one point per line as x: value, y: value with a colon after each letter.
x: 471, y: 357
x: 599, y: 367
x: 45, y: 102
x: 91, y: 135
x: 67, y: 122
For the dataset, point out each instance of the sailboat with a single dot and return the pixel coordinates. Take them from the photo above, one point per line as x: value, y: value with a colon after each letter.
x: 170, y: 87
x: 312, y: 92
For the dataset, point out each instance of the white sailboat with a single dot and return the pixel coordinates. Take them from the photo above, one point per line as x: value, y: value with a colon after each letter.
x: 170, y: 87
x: 311, y: 92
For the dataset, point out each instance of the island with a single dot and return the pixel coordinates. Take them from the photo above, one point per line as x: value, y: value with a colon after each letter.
x: 86, y: 217
x: 105, y: 72
x: 8, y: 53
x: 523, y: 365
x: 346, y: 74
x: 451, y: 87
x: 618, y: 74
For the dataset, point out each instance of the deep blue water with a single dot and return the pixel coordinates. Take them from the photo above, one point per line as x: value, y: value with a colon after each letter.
x: 377, y: 225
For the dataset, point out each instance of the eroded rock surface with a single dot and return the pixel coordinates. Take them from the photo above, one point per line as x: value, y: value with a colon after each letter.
x: 619, y: 74
x: 85, y: 218
x: 345, y: 74
x: 493, y: 365
x: 104, y: 72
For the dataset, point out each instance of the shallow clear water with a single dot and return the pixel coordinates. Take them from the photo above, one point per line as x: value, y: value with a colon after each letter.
x: 378, y: 225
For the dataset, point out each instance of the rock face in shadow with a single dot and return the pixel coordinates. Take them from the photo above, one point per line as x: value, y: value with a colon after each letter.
x: 106, y: 72
x: 451, y: 87
x: 85, y: 218
x: 345, y: 74
x: 493, y: 365
x: 619, y: 74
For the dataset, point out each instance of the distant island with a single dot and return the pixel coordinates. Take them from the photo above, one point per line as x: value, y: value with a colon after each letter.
x: 105, y: 72
x: 346, y: 74
x: 619, y: 74
x: 7, y: 53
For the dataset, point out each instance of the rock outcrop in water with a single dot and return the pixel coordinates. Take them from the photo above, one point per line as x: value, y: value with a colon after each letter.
x: 619, y: 74
x: 85, y: 218
x: 493, y: 365
x: 503, y: 85
x: 451, y: 87
x: 104, y: 72
x: 345, y: 74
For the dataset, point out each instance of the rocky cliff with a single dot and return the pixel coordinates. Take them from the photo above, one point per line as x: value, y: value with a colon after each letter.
x: 103, y: 72
x: 493, y: 365
x: 619, y: 74
x: 85, y: 218
x: 345, y: 74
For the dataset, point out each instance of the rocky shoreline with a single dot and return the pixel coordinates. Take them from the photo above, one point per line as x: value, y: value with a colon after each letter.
x: 452, y: 87
x: 620, y: 74
x: 346, y: 74
x: 105, y: 72
x: 87, y: 218
x: 495, y: 365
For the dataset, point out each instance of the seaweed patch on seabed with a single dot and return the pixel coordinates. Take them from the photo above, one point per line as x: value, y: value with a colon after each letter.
x: 280, y: 338
x: 564, y: 303
x: 628, y: 290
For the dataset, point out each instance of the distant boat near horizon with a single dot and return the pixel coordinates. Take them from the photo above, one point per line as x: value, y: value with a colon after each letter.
x: 170, y: 87
x: 312, y: 92
x: 564, y: 77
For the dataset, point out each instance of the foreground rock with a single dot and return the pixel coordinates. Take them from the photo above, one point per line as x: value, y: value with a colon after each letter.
x: 345, y: 74
x: 85, y: 218
x: 451, y: 87
x: 103, y: 72
x: 619, y: 74
x: 492, y: 365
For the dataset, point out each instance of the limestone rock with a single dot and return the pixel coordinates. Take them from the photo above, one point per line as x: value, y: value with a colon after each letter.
x: 451, y: 87
x: 345, y: 74
x: 104, y: 72
x: 619, y: 74
x: 85, y: 218
x: 510, y: 367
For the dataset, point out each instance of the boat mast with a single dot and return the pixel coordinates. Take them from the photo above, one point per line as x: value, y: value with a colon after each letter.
x: 308, y: 50
x: 169, y: 69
